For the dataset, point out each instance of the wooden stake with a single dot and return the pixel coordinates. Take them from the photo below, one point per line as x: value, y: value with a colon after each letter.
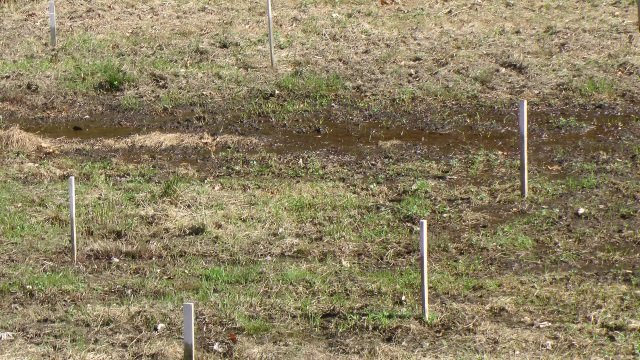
x: 524, y: 179
x: 270, y: 21
x: 72, y: 218
x: 424, y: 269
x: 189, y: 341
x: 52, y: 22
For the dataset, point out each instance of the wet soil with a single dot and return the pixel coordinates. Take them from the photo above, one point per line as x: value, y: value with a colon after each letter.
x: 437, y: 137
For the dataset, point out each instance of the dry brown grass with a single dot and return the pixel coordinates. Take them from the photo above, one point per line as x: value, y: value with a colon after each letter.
x: 14, y: 139
x: 411, y: 54
x: 169, y: 146
x: 157, y: 141
x: 161, y: 141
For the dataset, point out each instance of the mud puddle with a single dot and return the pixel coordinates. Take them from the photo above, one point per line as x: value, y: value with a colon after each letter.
x: 490, y: 132
x: 86, y: 131
x: 363, y: 138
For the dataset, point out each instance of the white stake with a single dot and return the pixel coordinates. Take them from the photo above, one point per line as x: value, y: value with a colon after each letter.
x: 189, y: 342
x: 424, y: 269
x: 52, y: 22
x: 72, y: 216
x: 270, y: 21
x: 524, y: 179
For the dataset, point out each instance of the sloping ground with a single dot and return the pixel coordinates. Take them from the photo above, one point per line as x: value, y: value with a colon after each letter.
x: 285, y: 203
x: 414, y: 56
x: 314, y: 253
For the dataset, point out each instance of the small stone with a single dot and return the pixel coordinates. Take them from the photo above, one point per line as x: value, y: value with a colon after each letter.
x: 219, y: 347
x: 158, y: 328
x: 580, y: 211
x: 542, y: 324
x: 114, y: 260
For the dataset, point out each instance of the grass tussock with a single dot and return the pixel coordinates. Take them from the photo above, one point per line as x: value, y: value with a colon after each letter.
x: 16, y: 140
x: 157, y: 141
x: 160, y: 141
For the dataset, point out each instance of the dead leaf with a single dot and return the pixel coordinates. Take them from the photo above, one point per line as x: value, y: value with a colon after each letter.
x: 233, y: 337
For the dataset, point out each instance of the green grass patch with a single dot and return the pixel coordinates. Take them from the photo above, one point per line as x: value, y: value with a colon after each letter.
x: 254, y: 326
x: 597, y: 87
x: 400, y: 279
x: 300, y: 92
x: 568, y: 123
x: 587, y: 182
x: 509, y: 237
x: 100, y: 76
x: 415, y: 206
x: 231, y: 275
x: 28, y: 65
x: 31, y: 280
x: 311, y: 85
x: 25, y: 216
x: 300, y: 276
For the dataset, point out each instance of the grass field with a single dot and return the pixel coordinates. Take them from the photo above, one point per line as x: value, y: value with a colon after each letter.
x: 285, y: 203
x: 416, y: 56
x: 313, y: 254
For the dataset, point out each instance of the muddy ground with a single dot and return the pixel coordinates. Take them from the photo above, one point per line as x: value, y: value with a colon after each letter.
x: 285, y: 202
